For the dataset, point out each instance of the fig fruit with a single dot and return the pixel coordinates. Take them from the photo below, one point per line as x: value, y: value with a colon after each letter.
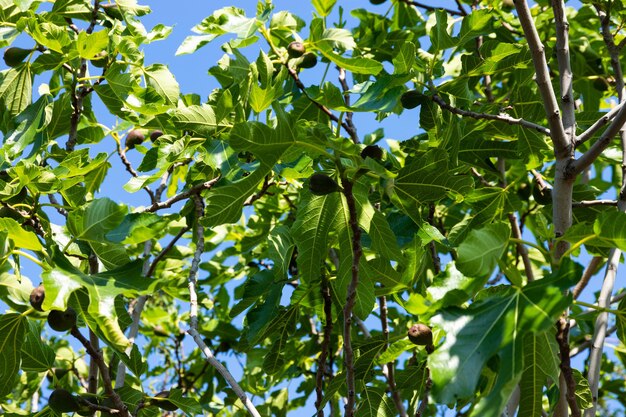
x: 420, y: 334
x: 411, y: 99
x: 508, y: 4
x: 100, y: 59
x: 322, y: 184
x: 372, y: 151
x: 296, y: 49
x: 155, y: 135
x: 134, y: 137
x: 163, y: 403
x: 14, y: 56
x: 309, y: 60
x: 62, y: 401
x: 37, y: 296
x: 62, y: 321
x: 377, y: 2
x: 543, y: 195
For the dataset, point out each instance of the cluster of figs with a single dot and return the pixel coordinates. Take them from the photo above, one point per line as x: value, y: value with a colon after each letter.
x: 63, y: 401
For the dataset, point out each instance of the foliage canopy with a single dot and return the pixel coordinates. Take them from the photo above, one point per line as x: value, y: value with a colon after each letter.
x: 277, y: 237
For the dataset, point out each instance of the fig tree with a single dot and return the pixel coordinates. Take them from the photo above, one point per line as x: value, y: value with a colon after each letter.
x: 372, y: 151
x: 411, y: 99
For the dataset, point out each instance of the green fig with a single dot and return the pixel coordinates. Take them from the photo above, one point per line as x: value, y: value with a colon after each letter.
x: 296, y: 49
x: 134, y: 137
x: 14, y: 56
x: 372, y: 151
x: 100, y: 60
x: 524, y: 191
x: 420, y: 334
x: 308, y: 60
x: 164, y: 404
x: 62, y: 401
x: 322, y: 184
x: 543, y: 195
x: 37, y: 296
x: 411, y: 99
x: 62, y: 321
x: 377, y: 2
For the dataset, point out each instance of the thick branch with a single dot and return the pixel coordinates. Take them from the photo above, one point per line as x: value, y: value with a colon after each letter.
x: 559, y: 139
x: 589, y: 272
x: 599, y: 124
x: 565, y: 70
x: 502, y: 117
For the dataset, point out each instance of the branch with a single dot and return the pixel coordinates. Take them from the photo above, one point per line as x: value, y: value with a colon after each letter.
x: 122, y: 153
x: 351, y: 298
x: 324, y: 109
x: 325, y: 348
x: 391, y: 381
x: 92, y: 376
x: 502, y: 117
x: 565, y: 70
x: 433, y: 8
x: 432, y: 246
x: 346, y: 99
x: 104, y: 372
x: 193, y: 313
x: 587, y: 343
x: 165, y: 250
x: 566, y: 369
x: 521, y: 249
x: 196, y: 189
x: 599, y: 124
x: 559, y: 139
x: 424, y: 402
x: 589, y: 272
x: 592, y: 203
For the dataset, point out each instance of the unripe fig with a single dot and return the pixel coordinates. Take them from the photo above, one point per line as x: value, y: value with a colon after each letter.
x: 62, y: 401
x: 134, y: 137
x: 420, y: 334
x: 37, y: 296
x: 322, y: 184
x: 542, y: 196
x: 62, y: 321
x: 100, y: 59
x: 372, y: 151
x: 524, y: 191
x: 14, y: 56
x: 296, y: 49
x: 309, y: 60
x: 376, y: 2
x: 164, y: 404
x: 411, y: 99
x: 508, y: 4
x: 155, y: 135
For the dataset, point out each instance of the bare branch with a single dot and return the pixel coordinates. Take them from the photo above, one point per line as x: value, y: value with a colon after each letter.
x: 324, y: 348
x: 587, y: 343
x: 589, y: 272
x: 391, y: 381
x: 565, y: 70
x: 346, y: 99
x: 196, y: 189
x: 193, y: 314
x: 599, y: 124
x: 433, y: 8
x: 591, y: 203
x: 567, y: 376
x: 502, y: 117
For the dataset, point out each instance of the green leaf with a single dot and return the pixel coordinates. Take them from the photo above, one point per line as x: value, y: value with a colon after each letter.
x: 439, y: 31
x: 426, y: 178
x: 281, y: 247
x: 479, y: 22
x: 479, y: 253
x: 16, y: 88
x: 23, y: 239
x: 493, y: 323
x: 357, y: 65
x: 375, y: 403
x: 12, y: 332
x: 37, y: 355
x: 404, y: 59
x: 90, y: 45
x: 324, y: 7
x: 93, y: 222
x: 200, y: 119
x: 541, y: 367
x: 163, y: 82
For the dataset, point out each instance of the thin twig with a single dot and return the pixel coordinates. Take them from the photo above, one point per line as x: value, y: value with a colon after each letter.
x: 391, y: 381
x: 324, y: 348
x: 122, y: 153
x: 599, y: 124
x: 589, y: 272
x: 104, y: 373
x: 587, y: 343
x: 165, y: 250
x: 432, y: 8
x: 351, y: 298
x: 592, y: 203
x: 92, y: 377
x: 502, y: 117
x: 196, y: 189
x: 346, y: 99
x: 193, y: 313
x: 432, y: 246
x: 424, y: 402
